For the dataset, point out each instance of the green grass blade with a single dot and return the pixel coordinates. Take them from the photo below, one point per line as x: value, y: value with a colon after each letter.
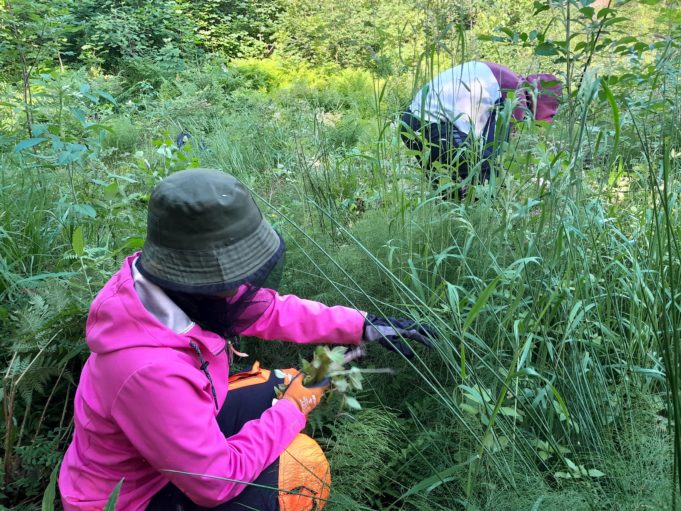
x: 49, y: 495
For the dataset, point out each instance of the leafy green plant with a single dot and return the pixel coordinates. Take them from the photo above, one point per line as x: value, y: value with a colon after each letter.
x: 328, y: 366
x: 577, y: 471
x: 350, y: 33
x: 108, y: 31
x: 30, y: 38
x: 234, y: 28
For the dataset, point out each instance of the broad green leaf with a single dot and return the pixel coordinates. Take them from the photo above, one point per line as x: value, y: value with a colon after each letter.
x: 541, y: 444
x: 526, y: 345
x: 84, y: 210
x: 79, y: 114
x: 509, y: 412
x: 615, y: 116
x: 480, y: 302
x: 546, y: 50
x: 605, y: 12
x: 77, y: 242
x: 341, y: 384
x: 480, y: 396
x: 337, y: 355
x: 469, y: 409
x: 594, y: 472
x: 106, y: 96
x: 639, y: 47
x: 352, y: 403
x: 135, y: 243
x: 492, y: 38
x: 587, y: 12
x: 111, y: 191
x: 540, y: 7
x: 432, y: 482
x: 528, y: 372
x: 29, y: 142
x: 45, y: 276
x: 416, y: 281
x: 576, y: 315
x: 490, y: 442
x: 39, y: 129
x: 453, y: 298
x: 355, y: 378
x: 560, y: 400
x: 49, y: 495
x: 93, y: 126
x: 613, y: 21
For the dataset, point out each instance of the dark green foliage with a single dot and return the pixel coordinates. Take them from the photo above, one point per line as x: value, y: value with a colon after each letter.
x: 234, y: 28
x: 109, y: 31
x: 348, y: 32
x: 32, y: 33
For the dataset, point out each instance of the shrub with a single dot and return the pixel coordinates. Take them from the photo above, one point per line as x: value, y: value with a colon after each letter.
x: 108, y: 31
x: 234, y: 28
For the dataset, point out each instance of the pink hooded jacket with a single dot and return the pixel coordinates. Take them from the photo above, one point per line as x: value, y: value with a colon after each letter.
x: 144, y: 409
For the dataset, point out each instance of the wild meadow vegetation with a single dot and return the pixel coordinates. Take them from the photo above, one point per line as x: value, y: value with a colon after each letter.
x: 554, y: 290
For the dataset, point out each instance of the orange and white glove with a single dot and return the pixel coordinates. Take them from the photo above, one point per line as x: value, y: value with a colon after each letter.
x: 305, y: 398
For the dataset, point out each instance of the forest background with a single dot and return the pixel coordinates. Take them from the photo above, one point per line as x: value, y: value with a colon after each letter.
x: 555, y: 383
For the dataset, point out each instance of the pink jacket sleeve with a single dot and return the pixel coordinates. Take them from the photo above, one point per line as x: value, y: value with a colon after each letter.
x: 510, y: 81
x: 289, y: 318
x: 168, y: 416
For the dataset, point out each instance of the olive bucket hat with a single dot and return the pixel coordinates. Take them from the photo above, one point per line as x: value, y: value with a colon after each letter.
x: 205, y: 234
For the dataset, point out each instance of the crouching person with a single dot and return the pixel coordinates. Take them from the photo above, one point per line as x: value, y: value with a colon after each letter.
x: 155, y: 406
x: 452, y: 119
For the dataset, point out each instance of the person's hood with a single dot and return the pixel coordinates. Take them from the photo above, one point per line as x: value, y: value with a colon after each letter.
x: 549, y: 90
x: 118, y: 320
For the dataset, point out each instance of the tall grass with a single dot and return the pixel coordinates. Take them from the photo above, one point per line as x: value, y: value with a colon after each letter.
x: 543, y: 354
x: 554, y: 381
x: 553, y: 306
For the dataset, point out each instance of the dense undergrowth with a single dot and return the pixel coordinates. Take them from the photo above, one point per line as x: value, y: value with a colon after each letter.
x: 555, y: 380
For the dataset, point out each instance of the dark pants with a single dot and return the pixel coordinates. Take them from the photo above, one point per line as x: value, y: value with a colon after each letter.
x: 247, y: 402
x: 444, y: 143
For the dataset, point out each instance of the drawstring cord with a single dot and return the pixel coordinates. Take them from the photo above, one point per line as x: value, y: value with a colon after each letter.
x: 204, y: 368
x: 204, y: 362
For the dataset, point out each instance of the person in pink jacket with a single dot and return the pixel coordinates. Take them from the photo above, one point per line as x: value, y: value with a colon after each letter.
x: 155, y: 406
x: 452, y: 119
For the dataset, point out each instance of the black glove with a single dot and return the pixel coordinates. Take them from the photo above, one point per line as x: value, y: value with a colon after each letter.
x: 389, y: 332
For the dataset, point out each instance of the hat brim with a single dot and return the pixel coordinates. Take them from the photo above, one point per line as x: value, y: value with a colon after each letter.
x: 217, y: 270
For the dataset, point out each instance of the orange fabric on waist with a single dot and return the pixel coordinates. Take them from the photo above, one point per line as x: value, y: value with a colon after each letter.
x: 247, y: 378
x: 304, y: 476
